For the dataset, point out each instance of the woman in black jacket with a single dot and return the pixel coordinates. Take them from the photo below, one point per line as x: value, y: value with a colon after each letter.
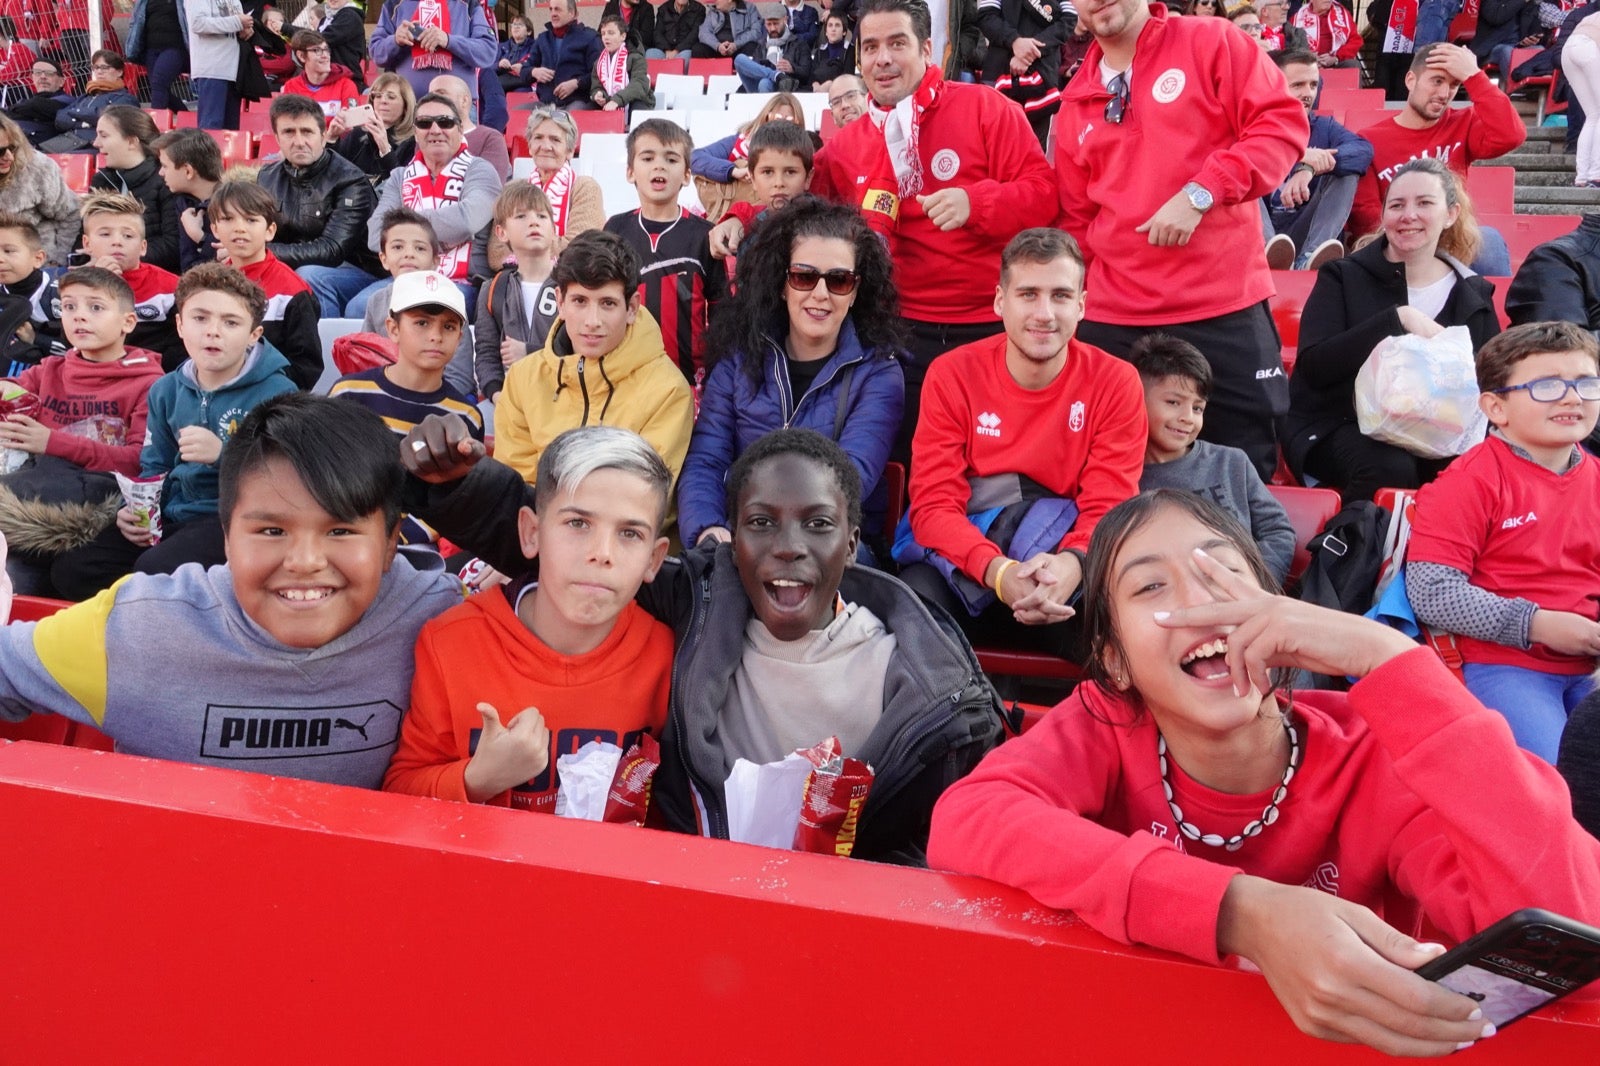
x: 1412, y: 279
x: 123, y: 134
x: 380, y: 146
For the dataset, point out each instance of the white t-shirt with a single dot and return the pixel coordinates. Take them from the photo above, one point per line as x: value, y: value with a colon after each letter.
x: 1430, y: 299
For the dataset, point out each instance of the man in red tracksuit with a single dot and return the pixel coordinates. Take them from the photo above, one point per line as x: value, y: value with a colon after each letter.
x: 1429, y: 126
x: 947, y: 173
x: 1164, y: 145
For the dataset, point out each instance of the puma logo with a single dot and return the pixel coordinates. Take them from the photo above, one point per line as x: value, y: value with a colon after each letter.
x: 345, y: 723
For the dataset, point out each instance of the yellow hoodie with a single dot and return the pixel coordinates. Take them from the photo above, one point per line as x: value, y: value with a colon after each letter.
x: 637, y: 386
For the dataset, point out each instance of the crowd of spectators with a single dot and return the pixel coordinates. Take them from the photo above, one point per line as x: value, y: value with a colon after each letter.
x: 952, y: 340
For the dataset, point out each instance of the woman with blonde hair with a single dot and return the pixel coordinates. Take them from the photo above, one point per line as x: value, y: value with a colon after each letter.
x: 32, y: 187
x: 387, y: 140
x: 1413, y: 278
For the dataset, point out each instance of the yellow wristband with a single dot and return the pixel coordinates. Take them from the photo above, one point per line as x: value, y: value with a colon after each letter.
x: 1000, y: 576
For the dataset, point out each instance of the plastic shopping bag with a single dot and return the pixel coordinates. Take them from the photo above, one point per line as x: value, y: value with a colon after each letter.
x: 1421, y: 394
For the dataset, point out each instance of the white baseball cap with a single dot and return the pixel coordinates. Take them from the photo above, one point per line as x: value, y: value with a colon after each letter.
x: 426, y: 288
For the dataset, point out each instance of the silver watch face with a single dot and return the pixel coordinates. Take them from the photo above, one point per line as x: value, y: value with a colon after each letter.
x: 1199, y: 196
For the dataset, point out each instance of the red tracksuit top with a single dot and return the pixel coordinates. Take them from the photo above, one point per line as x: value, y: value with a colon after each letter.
x: 1410, y: 796
x: 72, y: 389
x: 1490, y: 127
x: 1082, y: 437
x: 972, y: 138
x: 1205, y: 105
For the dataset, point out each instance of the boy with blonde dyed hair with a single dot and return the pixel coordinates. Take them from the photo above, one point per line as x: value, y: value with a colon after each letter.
x: 518, y: 306
x: 566, y: 658
x: 114, y: 240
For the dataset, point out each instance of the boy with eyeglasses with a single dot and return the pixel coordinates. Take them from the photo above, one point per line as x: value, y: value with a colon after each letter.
x: 331, y: 88
x: 1505, y: 545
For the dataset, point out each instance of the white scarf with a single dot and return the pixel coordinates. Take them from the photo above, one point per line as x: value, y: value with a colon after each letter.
x: 611, y: 70
x: 423, y: 192
x: 558, y: 190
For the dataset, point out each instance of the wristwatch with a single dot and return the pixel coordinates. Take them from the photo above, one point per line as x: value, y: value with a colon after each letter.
x: 1199, y: 196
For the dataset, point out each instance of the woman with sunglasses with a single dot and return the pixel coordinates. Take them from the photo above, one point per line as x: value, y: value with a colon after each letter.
x: 791, y: 350
x: 32, y: 187
x: 1206, y: 7
x: 1412, y: 279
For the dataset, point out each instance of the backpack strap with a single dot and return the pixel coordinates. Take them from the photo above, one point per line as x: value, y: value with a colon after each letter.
x: 843, y: 401
x: 1444, y: 644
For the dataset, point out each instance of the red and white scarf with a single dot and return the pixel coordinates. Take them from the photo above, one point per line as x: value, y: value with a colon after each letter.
x: 1400, y: 36
x: 611, y: 70
x: 431, y: 14
x: 421, y: 191
x: 558, y: 190
x: 901, y: 128
x: 1340, y: 27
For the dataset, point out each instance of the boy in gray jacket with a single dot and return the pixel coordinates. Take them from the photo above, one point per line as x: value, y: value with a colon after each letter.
x: 296, y: 656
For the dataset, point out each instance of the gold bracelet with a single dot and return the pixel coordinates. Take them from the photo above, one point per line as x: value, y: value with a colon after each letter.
x: 1000, y: 576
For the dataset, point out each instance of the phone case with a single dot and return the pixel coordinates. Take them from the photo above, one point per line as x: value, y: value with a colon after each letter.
x: 1520, y: 963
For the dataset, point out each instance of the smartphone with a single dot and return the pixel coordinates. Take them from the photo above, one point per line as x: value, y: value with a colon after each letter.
x: 355, y: 117
x: 77, y: 259
x: 1520, y: 963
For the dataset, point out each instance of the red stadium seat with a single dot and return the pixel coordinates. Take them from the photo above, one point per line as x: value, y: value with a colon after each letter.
x: 1493, y: 189
x: 162, y: 118
x: 185, y: 120
x: 1309, y: 510
x: 1358, y: 118
x: 33, y: 608
x: 1292, y: 287
x: 43, y: 728
x: 517, y: 144
x: 256, y: 122
x: 520, y: 102
x: 1464, y: 26
x: 600, y: 121
x: 268, y: 146
x: 1348, y: 99
x: 77, y: 168
x: 658, y: 67
x: 237, y: 146
x: 1524, y: 233
x: 708, y: 67
x: 1340, y: 78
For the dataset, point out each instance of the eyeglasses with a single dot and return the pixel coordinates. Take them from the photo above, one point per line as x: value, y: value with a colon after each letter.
x: 44, y: 72
x: 839, y: 282
x: 428, y: 122
x: 319, y: 51
x: 102, y: 68
x: 835, y: 101
x: 8, y: 149
x: 1252, y: 28
x: 1117, y: 106
x: 1554, y: 390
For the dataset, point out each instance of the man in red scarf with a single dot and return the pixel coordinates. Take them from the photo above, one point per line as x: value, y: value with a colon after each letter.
x: 947, y: 172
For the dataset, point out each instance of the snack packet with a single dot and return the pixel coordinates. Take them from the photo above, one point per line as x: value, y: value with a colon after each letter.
x: 584, y: 778
x: 15, y: 400
x: 143, y: 497
x: 831, y: 807
x: 629, y: 799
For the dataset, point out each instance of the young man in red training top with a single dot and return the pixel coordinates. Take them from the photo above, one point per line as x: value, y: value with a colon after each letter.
x: 1007, y: 419
x: 1164, y: 146
x: 947, y: 173
x: 1429, y: 126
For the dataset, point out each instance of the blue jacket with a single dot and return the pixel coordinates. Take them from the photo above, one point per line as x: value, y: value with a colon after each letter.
x: 517, y: 53
x: 571, y: 56
x: 712, y: 161
x: 804, y: 24
x: 1355, y: 156
x: 176, y: 400
x: 734, y: 411
x: 83, y: 113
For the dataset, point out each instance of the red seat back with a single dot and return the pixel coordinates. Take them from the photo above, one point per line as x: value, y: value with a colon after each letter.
x: 708, y: 67
x: 76, y: 168
x: 1309, y: 510
x: 1288, y: 302
x: 1524, y: 233
x: 600, y: 121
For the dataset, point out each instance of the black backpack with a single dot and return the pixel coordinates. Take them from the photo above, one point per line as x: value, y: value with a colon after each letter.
x: 1346, y: 558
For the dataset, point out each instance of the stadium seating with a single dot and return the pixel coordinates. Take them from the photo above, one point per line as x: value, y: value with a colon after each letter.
x: 1309, y: 510
x: 1524, y: 233
x: 673, y: 89
x: 77, y: 168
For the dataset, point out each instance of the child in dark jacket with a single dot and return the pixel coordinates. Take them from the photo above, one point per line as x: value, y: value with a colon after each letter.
x: 518, y: 306
x: 30, y: 306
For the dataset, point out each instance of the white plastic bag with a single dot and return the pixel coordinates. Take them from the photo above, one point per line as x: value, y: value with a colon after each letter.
x: 1422, y: 394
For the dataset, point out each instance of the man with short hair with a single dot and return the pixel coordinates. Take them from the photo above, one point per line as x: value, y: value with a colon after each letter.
x: 731, y: 27
x: 1022, y: 423
x: 483, y: 141
x: 563, y: 59
x: 36, y: 116
x: 1276, y: 30
x: 1330, y: 33
x: 784, y: 63
x: 847, y: 99
x: 324, y: 201
x: 1305, y: 215
x: 1429, y: 126
x: 947, y: 173
x: 1166, y: 141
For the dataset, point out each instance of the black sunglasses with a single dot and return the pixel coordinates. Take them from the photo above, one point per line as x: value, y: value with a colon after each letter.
x: 1117, y: 106
x: 839, y: 282
x: 428, y: 122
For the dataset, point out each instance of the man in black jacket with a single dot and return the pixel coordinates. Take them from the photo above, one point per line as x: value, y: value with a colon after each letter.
x: 346, y: 33
x: 325, y: 201
x: 677, y: 27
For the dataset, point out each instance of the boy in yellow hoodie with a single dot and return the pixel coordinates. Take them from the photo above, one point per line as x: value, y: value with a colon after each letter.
x: 604, y: 363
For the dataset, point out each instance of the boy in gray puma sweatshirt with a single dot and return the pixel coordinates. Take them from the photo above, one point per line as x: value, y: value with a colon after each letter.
x: 295, y: 657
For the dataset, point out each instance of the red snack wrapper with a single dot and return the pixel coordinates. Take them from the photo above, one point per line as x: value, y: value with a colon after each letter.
x: 629, y: 799
x: 15, y: 400
x: 835, y: 793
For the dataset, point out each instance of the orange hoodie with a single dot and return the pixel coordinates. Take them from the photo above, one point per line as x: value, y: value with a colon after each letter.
x: 481, y: 652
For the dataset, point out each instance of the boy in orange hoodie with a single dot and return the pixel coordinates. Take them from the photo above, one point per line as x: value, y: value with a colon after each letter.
x: 568, y: 658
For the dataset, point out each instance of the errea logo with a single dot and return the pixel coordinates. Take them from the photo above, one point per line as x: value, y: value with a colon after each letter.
x: 989, y: 425
x: 1517, y: 521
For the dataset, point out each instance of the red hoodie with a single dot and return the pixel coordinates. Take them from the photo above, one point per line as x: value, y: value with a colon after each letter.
x: 1206, y: 105
x: 107, y: 398
x: 971, y: 138
x: 1410, y: 796
x: 1082, y: 437
x: 1490, y: 127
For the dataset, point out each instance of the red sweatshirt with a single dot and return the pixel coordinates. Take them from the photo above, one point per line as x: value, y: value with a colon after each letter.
x: 333, y: 95
x: 972, y: 138
x: 105, y: 401
x: 481, y: 651
x: 1206, y: 105
x: 1410, y: 796
x: 1082, y: 437
x: 1521, y: 531
x: 1490, y: 127
x: 275, y: 278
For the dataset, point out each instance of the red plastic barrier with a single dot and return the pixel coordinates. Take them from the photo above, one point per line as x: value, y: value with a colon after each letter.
x: 178, y: 914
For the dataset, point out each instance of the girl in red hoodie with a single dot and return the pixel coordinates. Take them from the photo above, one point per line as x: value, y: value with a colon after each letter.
x: 1169, y: 802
